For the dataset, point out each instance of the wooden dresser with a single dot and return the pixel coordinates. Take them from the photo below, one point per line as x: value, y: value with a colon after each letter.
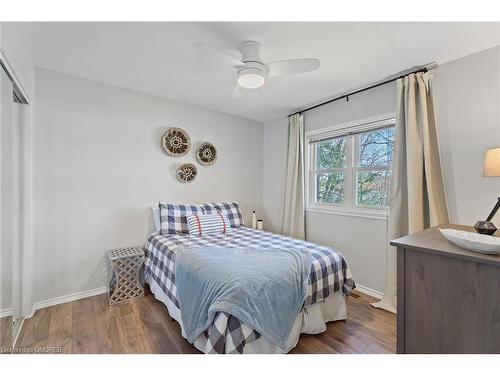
x: 448, y: 297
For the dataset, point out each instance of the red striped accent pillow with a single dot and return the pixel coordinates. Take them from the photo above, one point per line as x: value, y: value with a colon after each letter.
x: 201, y: 225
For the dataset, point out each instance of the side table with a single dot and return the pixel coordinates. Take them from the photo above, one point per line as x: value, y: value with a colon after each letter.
x: 125, y: 266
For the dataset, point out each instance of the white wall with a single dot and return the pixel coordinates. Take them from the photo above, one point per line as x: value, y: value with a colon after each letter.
x: 467, y: 93
x: 468, y: 117
x: 100, y: 167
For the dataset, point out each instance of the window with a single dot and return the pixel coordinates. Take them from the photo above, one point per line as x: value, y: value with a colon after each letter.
x: 350, y: 169
x: 330, y: 167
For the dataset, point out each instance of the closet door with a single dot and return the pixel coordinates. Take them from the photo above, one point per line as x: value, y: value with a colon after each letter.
x: 7, y: 208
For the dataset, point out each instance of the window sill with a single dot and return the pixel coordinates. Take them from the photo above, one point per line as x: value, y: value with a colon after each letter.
x: 354, y: 212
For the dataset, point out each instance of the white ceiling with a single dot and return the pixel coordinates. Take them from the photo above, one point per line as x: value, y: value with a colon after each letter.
x: 157, y: 58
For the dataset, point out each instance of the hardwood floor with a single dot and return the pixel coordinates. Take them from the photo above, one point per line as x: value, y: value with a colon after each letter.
x: 143, y: 325
x: 5, y: 333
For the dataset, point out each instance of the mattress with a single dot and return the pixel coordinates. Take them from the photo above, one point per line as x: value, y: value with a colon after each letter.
x: 329, y: 274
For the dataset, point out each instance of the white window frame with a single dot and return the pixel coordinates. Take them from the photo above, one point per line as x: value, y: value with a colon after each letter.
x: 349, y: 130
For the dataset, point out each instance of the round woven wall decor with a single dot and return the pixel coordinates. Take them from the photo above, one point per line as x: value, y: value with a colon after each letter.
x: 175, y: 142
x: 206, y: 154
x: 186, y: 172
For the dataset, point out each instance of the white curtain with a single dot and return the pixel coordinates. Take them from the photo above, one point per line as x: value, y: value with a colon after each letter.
x: 293, y: 213
x: 417, y: 191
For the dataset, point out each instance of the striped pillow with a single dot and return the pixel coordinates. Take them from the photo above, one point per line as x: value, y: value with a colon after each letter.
x: 200, y: 225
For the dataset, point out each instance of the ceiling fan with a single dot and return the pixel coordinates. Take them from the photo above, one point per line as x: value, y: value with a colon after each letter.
x: 252, y: 72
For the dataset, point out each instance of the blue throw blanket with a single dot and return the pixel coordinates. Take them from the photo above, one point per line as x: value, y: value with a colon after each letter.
x: 263, y: 288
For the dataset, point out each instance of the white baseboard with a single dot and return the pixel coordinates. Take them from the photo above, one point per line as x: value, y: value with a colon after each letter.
x: 67, y: 298
x: 369, y: 291
x: 6, y: 312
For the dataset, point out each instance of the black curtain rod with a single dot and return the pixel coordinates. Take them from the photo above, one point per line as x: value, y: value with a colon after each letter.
x: 346, y: 96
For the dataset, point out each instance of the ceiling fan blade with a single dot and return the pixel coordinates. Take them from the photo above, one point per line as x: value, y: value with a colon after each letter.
x: 218, y: 53
x: 292, y: 66
x: 239, y: 92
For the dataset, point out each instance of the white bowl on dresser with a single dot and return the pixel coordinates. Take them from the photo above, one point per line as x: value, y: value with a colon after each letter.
x: 479, y: 243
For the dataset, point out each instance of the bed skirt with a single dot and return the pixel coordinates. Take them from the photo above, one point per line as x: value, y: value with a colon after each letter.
x: 311, y: 320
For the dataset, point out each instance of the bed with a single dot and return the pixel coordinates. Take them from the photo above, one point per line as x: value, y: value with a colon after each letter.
x: 330, y: 283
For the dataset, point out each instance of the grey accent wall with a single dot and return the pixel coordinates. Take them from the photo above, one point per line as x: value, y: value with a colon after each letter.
x: 360, y: 240
x: 468, y: 117
x: 100, y: 167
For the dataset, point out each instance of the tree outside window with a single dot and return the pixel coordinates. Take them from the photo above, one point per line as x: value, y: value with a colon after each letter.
x: 373, y: 172
x: 353, y: 170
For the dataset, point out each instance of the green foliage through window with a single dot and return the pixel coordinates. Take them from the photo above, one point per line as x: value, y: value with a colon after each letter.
x: 365, y: 172
x: 330, y: 188
x: 373, y: 188
x: 331, y: 153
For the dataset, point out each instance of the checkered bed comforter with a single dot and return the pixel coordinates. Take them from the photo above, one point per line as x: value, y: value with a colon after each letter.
x: 329, y: 274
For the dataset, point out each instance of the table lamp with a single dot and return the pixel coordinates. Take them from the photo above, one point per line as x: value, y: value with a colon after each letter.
x: 491, y: 169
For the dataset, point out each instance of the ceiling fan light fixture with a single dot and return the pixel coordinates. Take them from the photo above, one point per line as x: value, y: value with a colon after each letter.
x: 251, y: 78
x: 252, y: 72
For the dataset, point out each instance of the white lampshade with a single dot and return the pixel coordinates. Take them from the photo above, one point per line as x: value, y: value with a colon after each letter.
x: 492, y: 162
